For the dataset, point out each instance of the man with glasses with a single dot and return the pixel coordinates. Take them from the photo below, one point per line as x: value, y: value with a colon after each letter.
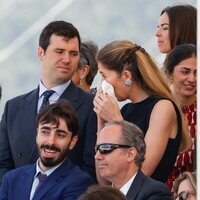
x: 120, y: 151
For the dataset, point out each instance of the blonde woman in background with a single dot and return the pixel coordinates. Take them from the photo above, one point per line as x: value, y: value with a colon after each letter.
x: 135, y: 76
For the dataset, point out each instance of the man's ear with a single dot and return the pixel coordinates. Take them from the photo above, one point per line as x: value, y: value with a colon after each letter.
x: 132, y: 154
x: 73, y: 142
x: 40, y: 53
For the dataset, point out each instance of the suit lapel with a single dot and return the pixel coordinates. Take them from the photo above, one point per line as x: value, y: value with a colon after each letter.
x: 29, y: 112
x: 53, y: 179
x: 135, y: 186
x: 27, y: 181
x: 72, y: 94
x: 29, y: 122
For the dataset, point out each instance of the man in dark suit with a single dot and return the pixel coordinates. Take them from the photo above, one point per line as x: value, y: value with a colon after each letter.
x: 58, y: 51
x: 57, y: 128
x: 120, y: 151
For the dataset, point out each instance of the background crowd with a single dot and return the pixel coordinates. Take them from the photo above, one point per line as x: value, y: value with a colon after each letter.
x: 149, y: 141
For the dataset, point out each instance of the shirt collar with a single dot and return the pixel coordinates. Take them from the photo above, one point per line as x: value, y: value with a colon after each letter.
x: 59, y: 89
x: 125, y: 188
x: 48, y: 172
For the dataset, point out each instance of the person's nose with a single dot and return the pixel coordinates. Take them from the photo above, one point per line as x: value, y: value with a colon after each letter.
x: 51, y: 139
x: 158, y: 32
x: 98, y: 155
x: 192, y: 78
x: 66, y: 58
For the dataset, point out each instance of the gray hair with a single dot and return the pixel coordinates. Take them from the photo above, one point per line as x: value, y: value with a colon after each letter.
x: 133, y: 136
x: 88, y: 52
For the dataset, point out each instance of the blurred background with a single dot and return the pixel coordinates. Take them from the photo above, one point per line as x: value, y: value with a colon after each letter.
x: 99, y: 20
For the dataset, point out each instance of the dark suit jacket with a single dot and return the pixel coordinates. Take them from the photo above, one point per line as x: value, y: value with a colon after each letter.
x: 146, y: 188
x: 66, y: 182
x: 18, y: 130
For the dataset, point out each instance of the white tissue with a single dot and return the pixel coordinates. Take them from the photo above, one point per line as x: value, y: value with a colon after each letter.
x: 107, y: 88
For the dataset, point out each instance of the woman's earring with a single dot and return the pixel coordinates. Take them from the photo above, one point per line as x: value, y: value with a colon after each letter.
x: 81, y: 80
x: 128, y: 82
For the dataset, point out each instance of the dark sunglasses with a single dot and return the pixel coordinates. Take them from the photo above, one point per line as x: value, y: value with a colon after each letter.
x: 107, y: 148
x: 183, y: 195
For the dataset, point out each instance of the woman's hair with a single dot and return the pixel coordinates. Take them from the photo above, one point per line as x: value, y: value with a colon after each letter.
x: 98, y: 192
x: 124, y: 55
x: 88, y: 52
x: 183, y: 24
x: 191, y: 177
x: 177, y: 55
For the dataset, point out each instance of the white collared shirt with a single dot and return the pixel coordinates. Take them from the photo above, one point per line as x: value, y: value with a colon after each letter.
x: 35, y: 178
x: 59, y: 89
x: 125, y: 188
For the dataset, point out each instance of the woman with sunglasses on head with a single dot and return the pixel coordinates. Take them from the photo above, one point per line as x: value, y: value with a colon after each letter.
x: 135, y: 76
x: 180, y: 68
x: 185, y: 187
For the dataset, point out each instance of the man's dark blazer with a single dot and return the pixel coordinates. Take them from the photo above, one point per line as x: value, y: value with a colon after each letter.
x: 18, y: 130
x: 66, y: 182
x: 146, y: 188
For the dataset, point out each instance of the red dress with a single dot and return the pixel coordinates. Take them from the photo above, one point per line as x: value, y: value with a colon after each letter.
x: 185, y: 161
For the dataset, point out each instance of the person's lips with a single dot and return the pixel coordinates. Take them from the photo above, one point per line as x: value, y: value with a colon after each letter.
x: 49, y: 153
x: 160, y: 42
x: 64, y: 68
x: 49, y: 150
x: 189, y: 87
x: 102, y: 165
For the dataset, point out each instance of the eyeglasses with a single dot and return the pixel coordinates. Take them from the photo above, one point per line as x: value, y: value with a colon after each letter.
x: 183, y: 195
x: 108, y: 148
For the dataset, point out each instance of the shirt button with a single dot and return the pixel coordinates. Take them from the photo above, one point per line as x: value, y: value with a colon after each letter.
x: 19, y: 155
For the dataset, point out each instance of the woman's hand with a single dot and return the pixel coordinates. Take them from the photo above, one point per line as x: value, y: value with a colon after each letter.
x: 106, y: 107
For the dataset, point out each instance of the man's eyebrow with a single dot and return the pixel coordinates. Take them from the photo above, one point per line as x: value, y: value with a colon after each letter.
x: 58, y: 130
x: 45, y: 127
x: 74, y: 51
x: 63, y: 131
x: 60, y: 49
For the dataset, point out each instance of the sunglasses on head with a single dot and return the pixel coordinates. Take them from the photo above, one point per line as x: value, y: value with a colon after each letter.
x: 107, y: 147
x: 183, y: 195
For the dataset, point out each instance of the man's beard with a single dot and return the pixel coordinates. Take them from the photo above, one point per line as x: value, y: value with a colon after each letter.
x: 51, y: 162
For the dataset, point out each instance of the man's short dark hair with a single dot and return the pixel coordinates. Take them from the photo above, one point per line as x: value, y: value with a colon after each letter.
x: 62, y: 109
x: 59, y: 28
